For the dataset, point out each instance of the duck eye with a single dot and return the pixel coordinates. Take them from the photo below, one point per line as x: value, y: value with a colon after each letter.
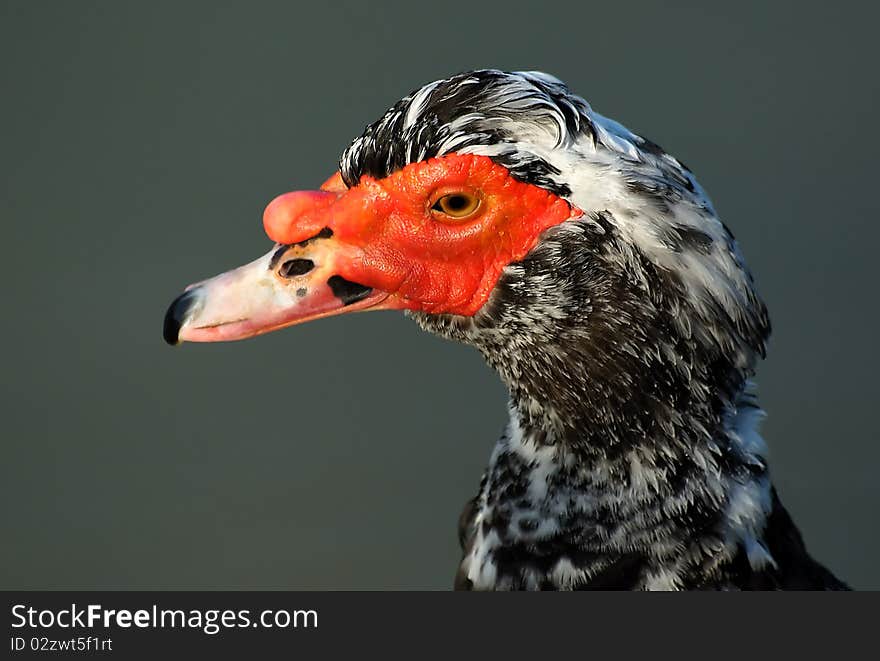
x: 457, y: 205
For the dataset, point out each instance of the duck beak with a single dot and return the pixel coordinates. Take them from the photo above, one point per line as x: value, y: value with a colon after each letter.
x: 289, y: 285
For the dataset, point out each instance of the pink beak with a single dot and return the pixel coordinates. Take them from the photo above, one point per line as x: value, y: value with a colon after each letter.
x: 289, y: 285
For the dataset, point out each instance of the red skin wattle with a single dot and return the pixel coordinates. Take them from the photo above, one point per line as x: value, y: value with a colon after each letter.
x: 398, y: 245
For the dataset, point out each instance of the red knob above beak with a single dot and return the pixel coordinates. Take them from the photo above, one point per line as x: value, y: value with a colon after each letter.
x: 297, y: 216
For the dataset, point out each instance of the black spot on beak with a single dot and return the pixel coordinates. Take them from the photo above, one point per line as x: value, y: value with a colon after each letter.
x: 294, y: 267
x: 347, y: 291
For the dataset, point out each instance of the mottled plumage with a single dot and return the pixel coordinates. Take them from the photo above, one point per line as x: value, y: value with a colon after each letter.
x: 627, y: 339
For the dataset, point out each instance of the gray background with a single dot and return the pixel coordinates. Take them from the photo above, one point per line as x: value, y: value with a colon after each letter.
x: 140, y: 145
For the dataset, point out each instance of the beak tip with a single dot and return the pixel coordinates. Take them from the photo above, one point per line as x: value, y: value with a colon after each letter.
x: 176, y: 316
x: 171, y: 328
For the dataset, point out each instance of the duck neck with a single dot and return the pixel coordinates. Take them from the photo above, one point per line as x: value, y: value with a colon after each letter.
x: 632, y: 444
x: 604, y: 504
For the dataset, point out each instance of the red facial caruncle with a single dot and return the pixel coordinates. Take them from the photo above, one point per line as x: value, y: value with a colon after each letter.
x: 434, y: 236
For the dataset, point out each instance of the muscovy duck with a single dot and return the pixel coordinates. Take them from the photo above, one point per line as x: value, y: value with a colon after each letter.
x: 590, y: 269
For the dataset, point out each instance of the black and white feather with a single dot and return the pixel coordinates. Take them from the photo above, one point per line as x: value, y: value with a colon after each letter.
x: 627, y: 339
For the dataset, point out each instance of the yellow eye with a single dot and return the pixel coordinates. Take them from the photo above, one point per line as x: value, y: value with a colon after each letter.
x: 457, y: 205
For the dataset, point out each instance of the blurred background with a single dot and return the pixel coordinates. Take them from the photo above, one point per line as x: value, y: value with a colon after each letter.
x: 141, y: 142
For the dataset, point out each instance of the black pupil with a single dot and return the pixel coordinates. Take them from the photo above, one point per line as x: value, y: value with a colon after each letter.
x: 456, y: 202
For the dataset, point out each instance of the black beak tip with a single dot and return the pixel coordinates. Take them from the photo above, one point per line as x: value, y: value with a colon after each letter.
x: 176, y: 315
